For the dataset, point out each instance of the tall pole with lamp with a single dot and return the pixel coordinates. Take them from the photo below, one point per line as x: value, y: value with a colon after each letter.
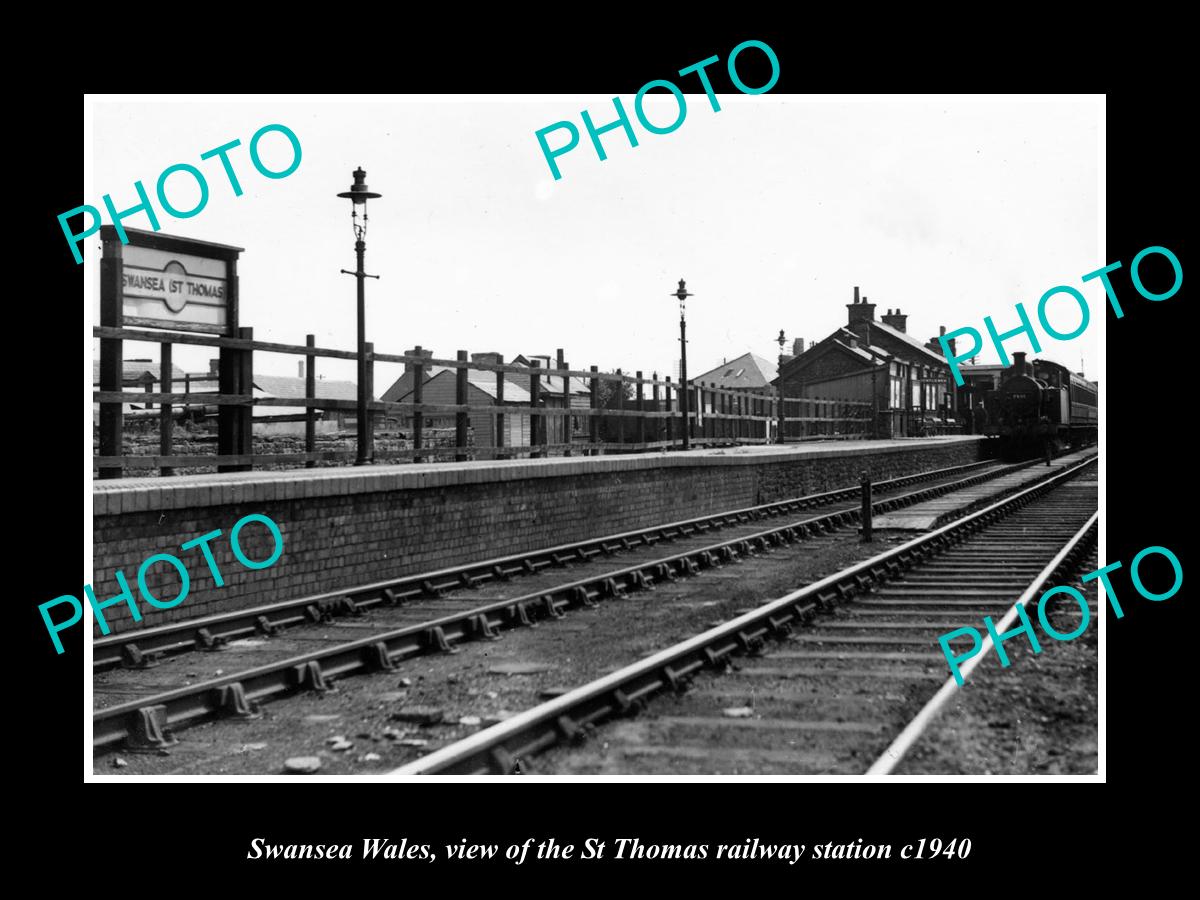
x: 681, y: 293
x: 358, y: 196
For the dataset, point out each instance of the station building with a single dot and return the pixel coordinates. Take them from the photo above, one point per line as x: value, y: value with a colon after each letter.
x: 876, y: 360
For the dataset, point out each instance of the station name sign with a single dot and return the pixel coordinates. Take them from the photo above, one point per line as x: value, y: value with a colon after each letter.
x: 176, y: 284
x: 165, y: 289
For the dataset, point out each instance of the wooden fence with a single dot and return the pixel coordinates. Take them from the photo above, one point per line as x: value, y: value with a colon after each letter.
x: 649, y: 420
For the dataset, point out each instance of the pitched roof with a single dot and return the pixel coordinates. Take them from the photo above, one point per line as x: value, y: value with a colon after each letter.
x: 400, y: 387
x: 875, y: 354
x: 551, y: 384
x: 929, y: 355
x: 134, y: 370
x: 747, y: 371
x: 291, y: 387
x: 483, y: 381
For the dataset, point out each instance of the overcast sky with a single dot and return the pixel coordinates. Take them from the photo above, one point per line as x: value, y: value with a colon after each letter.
x: 772, y: 209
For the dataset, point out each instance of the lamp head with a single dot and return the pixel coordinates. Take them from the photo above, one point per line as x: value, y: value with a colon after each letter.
x: 358, y: 192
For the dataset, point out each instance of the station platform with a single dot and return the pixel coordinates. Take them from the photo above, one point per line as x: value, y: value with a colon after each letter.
x: 343, y: 527
x: 120, y: 495
x: 937, y: 512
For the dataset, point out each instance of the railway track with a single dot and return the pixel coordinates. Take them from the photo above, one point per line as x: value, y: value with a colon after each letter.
x: 400, y: 631
x: 144, y: 647
x: 827, y: 698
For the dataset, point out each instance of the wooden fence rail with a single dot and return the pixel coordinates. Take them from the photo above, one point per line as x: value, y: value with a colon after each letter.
x: 569, y: 411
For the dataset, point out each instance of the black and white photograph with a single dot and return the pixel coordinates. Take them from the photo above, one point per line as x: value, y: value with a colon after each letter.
x: 533, y: 436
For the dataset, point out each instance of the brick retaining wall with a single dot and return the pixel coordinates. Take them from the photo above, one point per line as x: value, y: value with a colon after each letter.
x: 348, y: 526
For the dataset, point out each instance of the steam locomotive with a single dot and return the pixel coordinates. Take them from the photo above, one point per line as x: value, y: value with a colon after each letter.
x: 1042, y: 405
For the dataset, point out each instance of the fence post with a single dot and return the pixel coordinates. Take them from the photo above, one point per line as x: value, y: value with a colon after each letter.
x: 310, y: 391
x: 461, y: 419
x: 418, y: 414
x: 621, y: 410
x: 656, y: 397
x: 594, y: 419
x: 246, y: 412
x: 535, y: 420
x: 500, y: 417
x: 711, y: 408
x: 567, y: 431
x: 166, y: 423
x: 641, y: 405
x: 112, y: 354
x: 229, y: 419
x: 670, y: 419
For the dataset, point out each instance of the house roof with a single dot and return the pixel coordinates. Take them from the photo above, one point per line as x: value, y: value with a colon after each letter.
x: 927, y: 355
x: 483, y: 381
x: 135, y: 370
x: 517, y: 384
x: 874, y: 354
x: 839, y: 341
x: 551, y: 384
x: 747, y: 371
x: 291, y: 387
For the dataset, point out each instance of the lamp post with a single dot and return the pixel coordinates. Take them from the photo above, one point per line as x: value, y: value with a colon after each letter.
x: 681, y: 293
x: 781, y: 340
x: 358, y: 196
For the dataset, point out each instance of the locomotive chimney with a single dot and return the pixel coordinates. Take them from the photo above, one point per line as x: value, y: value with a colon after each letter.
x: 1019, y: 362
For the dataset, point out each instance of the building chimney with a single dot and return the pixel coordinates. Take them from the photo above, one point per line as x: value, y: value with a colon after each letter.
x: 936, y: 346
x: 860, y: 310
x: 492, y: 359
x: 214, y: 367
x: 417, y: 351
x: 896, y: 320
x: 797, y: 346
x: 300, y: 365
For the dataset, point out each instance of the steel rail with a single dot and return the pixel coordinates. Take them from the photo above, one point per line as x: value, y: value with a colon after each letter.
x: 891, y: 757
x: 141, y: 647
x: 497, y: 749
x: 148, y: 721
